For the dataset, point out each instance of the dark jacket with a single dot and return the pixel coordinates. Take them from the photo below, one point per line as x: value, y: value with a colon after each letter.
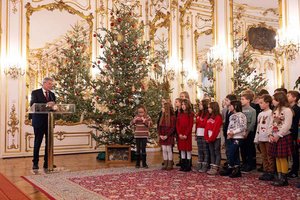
x: 37, y: 96
x: 295, y: 123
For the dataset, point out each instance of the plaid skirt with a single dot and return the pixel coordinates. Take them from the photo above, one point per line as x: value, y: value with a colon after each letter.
x: 281, y: 149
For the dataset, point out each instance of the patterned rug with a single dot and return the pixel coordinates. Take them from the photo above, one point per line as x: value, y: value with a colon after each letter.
x: 133, y: 184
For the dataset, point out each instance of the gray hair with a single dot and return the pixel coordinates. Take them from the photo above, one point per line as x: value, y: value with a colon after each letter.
x: 46, y: 79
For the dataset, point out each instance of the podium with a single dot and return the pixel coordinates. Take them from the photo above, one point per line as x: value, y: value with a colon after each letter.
x: 51, y: 110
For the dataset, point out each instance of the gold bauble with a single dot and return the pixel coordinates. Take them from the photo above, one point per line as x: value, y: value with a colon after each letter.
x: 120, y: 37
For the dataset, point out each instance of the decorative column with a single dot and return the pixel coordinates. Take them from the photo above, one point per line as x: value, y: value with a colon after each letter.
x: 291, y: 25
x: 222, y: 35
x: 12, y: 110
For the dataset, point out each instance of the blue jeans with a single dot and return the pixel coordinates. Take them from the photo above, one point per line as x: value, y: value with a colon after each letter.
x: 234, y: 153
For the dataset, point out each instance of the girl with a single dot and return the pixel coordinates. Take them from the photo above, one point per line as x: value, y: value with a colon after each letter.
x: 264, y: 128
x: 236, y: 134
x: 184, y: 125
x: 142, y: 123
x: 280, y: 138
x: 213, y: 137
x: 201, y: 119
x: 166, y: 135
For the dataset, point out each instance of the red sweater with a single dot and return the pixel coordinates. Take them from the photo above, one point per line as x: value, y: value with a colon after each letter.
x: 213, y: 125
x: 201, y: 121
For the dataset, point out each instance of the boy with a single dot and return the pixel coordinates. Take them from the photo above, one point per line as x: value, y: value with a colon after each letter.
x: 293, y: 98
x: 227, y: 114
x: 248, y: 151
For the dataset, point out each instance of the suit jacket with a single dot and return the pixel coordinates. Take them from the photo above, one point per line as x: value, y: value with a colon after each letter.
x: 37, y: 96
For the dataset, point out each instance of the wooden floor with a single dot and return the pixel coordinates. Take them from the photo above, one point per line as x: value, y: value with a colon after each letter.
x: 14, y: 168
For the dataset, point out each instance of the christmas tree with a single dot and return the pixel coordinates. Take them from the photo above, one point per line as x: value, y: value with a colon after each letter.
x: 245, y: 76
x: 123, y: 69
x: 73, y: 75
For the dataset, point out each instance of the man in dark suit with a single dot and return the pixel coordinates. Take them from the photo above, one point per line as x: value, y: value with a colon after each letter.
x: 40, y: 121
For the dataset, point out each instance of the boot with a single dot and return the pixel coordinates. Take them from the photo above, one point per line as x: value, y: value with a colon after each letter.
x: 213, y: 170
x: 204, y: 168
x: 226, y: 171
x: 183, y: 165
x: 281, y: 181
x: 138, y: 160
x: 236, y: 172
x: 165, y: 165
x: 188, y: 165
x: 170, y: 164
x: 144, y: 157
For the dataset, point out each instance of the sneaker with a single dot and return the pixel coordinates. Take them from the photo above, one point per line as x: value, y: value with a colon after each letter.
x: 247, y: 168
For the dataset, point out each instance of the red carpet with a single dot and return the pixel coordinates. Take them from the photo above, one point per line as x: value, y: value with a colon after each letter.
x: 10, y: 191
x: 133, y: 184
x: 160, y: 184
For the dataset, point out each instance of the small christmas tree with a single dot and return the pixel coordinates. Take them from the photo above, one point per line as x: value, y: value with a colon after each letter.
x: 119, y: 87
x: 73, y: 76
x: 244, y: 76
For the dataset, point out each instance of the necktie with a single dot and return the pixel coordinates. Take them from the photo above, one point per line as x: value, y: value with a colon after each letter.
x: 47, y: 95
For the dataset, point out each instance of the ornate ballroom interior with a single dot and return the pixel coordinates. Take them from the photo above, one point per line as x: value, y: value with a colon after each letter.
x: 203, y: 45
x: 194, y: 32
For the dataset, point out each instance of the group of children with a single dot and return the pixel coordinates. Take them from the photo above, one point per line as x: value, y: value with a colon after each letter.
x: 269, y: 122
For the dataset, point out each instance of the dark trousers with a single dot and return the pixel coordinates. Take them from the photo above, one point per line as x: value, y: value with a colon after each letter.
x: 141, y: 146
x: 141, y: 151
x: 234, y: 153
x: 295, y: 156
x: 38, y: 138
x: 227, y: 144
x: 248, y: 151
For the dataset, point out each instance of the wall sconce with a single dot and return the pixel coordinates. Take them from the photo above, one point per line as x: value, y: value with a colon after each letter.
x: 288, y: 43
x: 14, y: 71
x: 13, y: 67
x: 215, y: 58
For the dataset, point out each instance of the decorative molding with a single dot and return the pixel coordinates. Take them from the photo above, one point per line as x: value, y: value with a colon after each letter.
x: 14, y: 5
x: 13, y: 127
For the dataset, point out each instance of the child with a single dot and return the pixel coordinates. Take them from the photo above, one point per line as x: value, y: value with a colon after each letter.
x: 177, y: 110
x: 248, y: 151
x: 201, y: 119
x: 184, y: 125
x: 213, y: 137
x: 166, y: 134
x: 293, y: 98
x: 228, y: 99
x: 236, y: 134
x: 142, y: 123
x: 264, y: 128
x: 280, y: 138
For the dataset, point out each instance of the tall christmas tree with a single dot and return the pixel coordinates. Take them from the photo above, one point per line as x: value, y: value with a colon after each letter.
x: 245, y: 76
x: 120, y: 84
x: 73, y: 76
